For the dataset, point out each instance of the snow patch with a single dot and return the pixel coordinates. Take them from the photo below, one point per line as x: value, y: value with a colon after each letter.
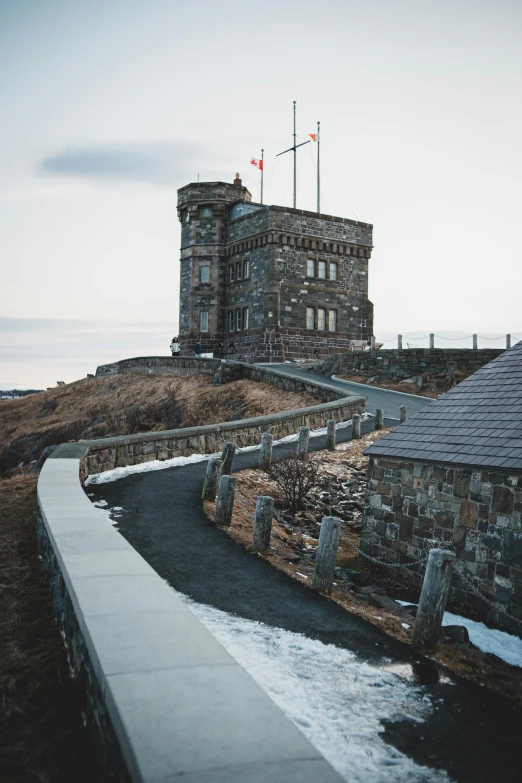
x: 337, y: 701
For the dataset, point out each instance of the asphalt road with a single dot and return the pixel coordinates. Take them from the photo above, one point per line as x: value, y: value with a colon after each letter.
x: 389, y: 401
x: 471, y: 733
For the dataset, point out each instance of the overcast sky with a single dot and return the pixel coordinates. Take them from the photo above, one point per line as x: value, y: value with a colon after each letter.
x: 109, y: 106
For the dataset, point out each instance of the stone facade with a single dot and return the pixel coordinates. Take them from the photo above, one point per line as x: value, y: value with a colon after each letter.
x: 277, y: 282
x: 395, y: 365
x: 413, y: 506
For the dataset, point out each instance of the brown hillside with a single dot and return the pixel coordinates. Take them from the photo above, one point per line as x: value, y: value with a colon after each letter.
x: 126, y: 404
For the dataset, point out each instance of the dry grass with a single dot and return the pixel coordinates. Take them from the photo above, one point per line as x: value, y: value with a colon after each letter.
x: 123, y: 404
x: 286, y: 543
x: 42, y: 736
x: 443, y: 385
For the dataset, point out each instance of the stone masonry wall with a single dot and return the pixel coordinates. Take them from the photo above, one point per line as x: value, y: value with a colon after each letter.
x: 160, y: 365
x: 395, y: 365
x: 413, y: 506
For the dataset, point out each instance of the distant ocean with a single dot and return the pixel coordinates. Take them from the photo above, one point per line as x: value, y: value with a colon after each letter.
x: 36, y: 353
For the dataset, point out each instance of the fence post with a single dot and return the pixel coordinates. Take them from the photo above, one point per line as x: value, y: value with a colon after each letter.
x: 379, y: 419
x: 508, y: 341
x: 356, y: 426
x: 432, y: 342
x: 475, y: 342
x: 210, y: 485
x: 331, y: 426
x: 326, y: 556
x: 372, y: 343
x: 227, y: 456
x: 265, y: 452
x: 403, y: 413
x: 262, y: 523
x: 302, y: 441
x: 434, y: 594
x: 225, y: 501
x: 399, y: 342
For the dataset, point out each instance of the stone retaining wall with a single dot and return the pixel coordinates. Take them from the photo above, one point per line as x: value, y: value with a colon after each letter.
x: 160, y: 365
x: 396, y: 365
x: 163, y: 700
x: 413, y: 506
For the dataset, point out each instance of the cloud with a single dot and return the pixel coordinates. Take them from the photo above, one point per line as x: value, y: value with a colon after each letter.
x: 160, y: 162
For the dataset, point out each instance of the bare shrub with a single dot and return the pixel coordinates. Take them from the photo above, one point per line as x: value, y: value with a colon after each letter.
x: 295, y: 477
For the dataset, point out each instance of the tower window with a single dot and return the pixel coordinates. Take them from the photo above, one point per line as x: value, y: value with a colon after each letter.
x: 321, y: 319
x: 245, y: 317
x: 246, y: 268
x: 333, y: 271
x: 231, y: 275
x: 238, y: 320
x: 230, y: 320
x: 203, y: 321
x: 310, y: 268
x: 206, y: 212
x: 310, y: 318
x: 321, y: 269
x: 187, y: 216
x: 239, y: 268
x: 332, y: 320
x: 204, y: 274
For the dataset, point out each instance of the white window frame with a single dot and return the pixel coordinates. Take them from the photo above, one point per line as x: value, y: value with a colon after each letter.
x: 238, y: 320
x: 245, y: 318
x: 332, y: 320
x: 321, y: 319
x: 231, y: 273
x: 203, y: 321
x: 204, y: 274
x: 321, y: 267
x: 230, y: 320
x: 333, y: 269
x: 246, y: 268
x: 310, y: 318
x: 239, y: 270
x: 310, y: 267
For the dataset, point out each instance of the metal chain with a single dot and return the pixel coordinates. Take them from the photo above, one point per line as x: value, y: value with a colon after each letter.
x: 382, y: 562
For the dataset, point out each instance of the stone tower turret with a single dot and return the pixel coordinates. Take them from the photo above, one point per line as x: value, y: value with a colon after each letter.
x: 202, y: 210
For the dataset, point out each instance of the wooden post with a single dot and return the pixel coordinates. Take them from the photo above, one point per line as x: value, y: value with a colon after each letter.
x: 379, y: 419
x: 475, y: 342
x: 331, y: 427
x: 265, y: 452
x: 262, y: 523
x: 399, y: 342
x: 434, y: 594
x: 356, y: 426
x: 326, y: 556
x: 302, y: 441
x: 227, y: 456
x: 508, y: 341
x: 225, y: 501
x: 432, y: 342
x: 210, y: 485
x: 403, y: 413
x: 372, y: 343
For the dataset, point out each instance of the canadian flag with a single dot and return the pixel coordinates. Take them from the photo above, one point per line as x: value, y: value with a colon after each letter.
x: 258, y: 163
x: 313, y: 136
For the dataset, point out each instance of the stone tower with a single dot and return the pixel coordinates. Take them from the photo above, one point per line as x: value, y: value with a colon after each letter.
x: 272, y: 283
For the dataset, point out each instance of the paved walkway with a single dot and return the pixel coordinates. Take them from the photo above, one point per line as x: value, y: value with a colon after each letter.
x: 390, y: 401
x: 472, y: 734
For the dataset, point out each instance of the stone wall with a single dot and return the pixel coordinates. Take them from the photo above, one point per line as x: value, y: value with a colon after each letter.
x: 109, y: 453
x: 413, y: 506
x: 395, y: 365
x: 160, y: 365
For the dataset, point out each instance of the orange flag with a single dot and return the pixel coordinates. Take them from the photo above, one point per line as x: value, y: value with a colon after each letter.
x: 313, y: 136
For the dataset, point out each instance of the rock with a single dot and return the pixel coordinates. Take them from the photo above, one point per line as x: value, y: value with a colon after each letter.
x: 43, y: 456
x: 455, y: 634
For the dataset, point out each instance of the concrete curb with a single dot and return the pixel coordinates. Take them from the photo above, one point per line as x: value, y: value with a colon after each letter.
x: 164, y: 699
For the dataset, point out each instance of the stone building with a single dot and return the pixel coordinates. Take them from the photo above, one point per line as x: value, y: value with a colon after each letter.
x: 452, y: 476
x: 278, y: 283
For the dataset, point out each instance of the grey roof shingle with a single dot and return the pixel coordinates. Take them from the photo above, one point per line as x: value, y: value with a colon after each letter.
x: 478, y: 422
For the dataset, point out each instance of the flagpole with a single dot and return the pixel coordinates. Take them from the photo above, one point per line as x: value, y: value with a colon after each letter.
x: 318, y: 170
x: 295, y: 163
x: 262, y: 172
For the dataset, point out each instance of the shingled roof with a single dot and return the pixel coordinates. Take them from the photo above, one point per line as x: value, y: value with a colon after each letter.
x: 478, y: 422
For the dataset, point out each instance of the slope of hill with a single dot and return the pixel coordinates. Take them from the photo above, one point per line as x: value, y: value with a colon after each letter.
x: 126, y: 404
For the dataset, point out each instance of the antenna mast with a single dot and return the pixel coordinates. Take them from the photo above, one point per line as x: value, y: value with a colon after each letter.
x: 293, y: 149
x: 318, y: 170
